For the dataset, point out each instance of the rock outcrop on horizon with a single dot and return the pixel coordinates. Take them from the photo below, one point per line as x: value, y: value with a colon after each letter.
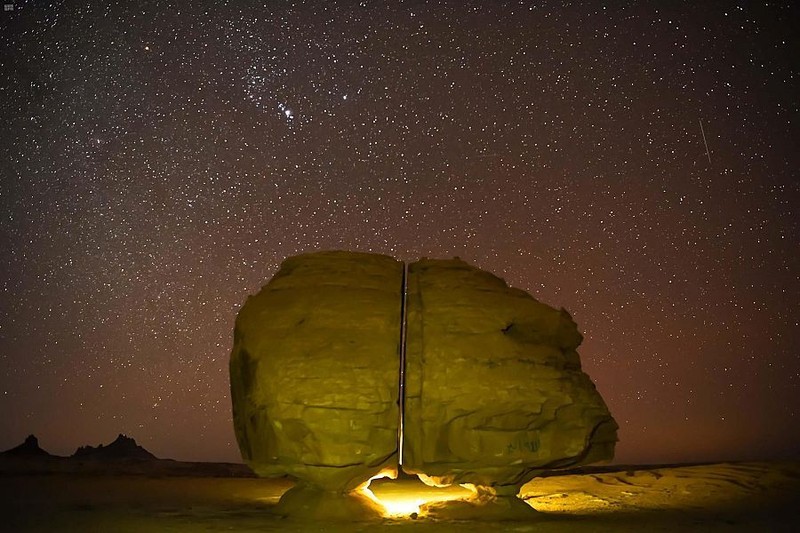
x: 315, y: 367
x: 123, y: 447
x: 28, y: 449
x: 494, y: 389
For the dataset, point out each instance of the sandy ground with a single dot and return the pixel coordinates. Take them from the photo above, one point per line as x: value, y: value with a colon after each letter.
x: 721, y: 497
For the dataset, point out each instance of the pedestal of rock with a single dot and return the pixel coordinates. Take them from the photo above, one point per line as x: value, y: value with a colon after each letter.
x: 311, y: 503
x: 314, y: 373
x: 494, y: 387
x: 488, y: 503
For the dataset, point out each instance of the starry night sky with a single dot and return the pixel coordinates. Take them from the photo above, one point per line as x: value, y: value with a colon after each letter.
x: 159, y: 160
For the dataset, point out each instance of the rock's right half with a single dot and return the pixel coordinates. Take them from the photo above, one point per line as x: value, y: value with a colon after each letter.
x: 494, y: 391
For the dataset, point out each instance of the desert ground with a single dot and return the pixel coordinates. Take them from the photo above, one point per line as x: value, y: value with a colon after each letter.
x: 716, y: 497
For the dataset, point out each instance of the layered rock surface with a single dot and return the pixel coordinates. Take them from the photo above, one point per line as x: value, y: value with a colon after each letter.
x: 315, y: 370
x: 494, y: 389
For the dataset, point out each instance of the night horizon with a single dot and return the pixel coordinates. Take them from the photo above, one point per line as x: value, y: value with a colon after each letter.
x: 633, y: 164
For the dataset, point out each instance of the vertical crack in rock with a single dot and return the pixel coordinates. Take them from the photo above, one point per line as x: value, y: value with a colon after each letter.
x: 402, y: 381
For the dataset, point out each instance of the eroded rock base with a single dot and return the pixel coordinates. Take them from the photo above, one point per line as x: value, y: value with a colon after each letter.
x: 309, y: 503
x: 487, y: 504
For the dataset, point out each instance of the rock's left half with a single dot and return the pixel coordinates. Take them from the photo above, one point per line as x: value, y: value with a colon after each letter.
x: 315, y: 370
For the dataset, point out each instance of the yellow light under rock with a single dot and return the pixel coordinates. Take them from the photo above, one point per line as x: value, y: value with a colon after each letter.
x: 404, y: 497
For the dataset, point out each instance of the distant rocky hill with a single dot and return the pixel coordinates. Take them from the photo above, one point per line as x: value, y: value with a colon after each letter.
x: 121, y: 457
x: 122, y: 448
x: 28, y: 449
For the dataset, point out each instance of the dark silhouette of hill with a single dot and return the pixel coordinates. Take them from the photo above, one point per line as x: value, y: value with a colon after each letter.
x: 122, y: 448
x: 30, y: 448
x: 121, y: 457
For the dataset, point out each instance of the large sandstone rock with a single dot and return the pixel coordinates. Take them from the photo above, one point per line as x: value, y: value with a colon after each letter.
x: 494, y: 387
x: 494, y: 391
x: 315, y: 369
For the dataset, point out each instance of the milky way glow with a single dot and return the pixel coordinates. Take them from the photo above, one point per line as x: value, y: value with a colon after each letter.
x: 632, y: 162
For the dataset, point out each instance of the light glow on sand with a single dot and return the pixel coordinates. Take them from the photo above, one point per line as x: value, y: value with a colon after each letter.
x: 403, y: 498
x: 399, y: 505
